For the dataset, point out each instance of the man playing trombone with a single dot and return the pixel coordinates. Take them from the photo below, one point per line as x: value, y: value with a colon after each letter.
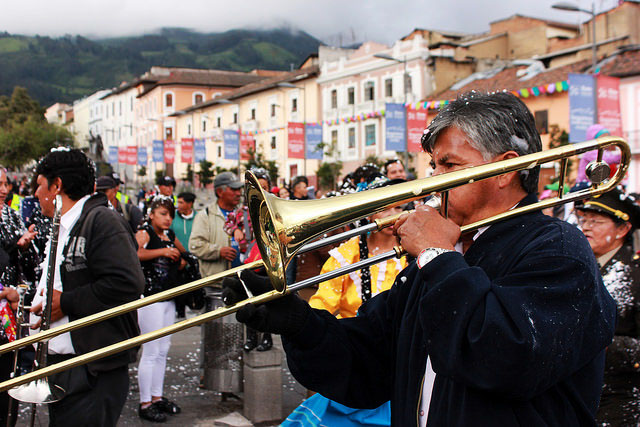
x: 505, y: 326
x: 96, y: 268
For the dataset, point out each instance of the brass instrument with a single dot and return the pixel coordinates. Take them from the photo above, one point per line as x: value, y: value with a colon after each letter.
x: 40, y: 390
x: 284, y: 228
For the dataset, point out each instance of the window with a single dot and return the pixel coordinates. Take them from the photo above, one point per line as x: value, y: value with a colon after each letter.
x: 131, y: 102
x: 198, y: 98
x: 294, y: 105
x: 352, y: 138
x: 369, y: 91
x: 120, y: 108
x: 408, y: 84
x: 219, y: 151
x: 388, y: 88
x: 542, y: 121
x: 334, y: 137
x: 351, y: 96
x: 370, y: 135
x: 188, y: 128
x: 273, y: 110
x: 204, y: 125
x: 168, y: 134
x: 253, y: 114
x: 168, y: 100
x: 273, y: 142
x: 235, y: 118
x: 334, y: 99
x: 218, y: 121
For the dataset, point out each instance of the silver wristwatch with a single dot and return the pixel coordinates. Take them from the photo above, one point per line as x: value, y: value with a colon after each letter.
x: 428, y: 254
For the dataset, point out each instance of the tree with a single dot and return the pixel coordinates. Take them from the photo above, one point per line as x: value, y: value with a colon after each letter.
x: 256, y: 160
x: 328, y: 172
x: 142, y: 171
x: 557, y: 138
x: 188, y: 175
x: 205, y: 174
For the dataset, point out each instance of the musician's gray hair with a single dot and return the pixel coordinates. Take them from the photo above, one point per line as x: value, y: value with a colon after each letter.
x: 494, y: 123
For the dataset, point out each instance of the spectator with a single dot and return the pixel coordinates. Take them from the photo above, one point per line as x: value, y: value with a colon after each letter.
x: 181, y: 226
x: 128, y: 211
x: 394, y: 169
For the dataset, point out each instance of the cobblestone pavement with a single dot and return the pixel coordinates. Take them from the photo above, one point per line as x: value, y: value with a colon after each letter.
x: 199, y: 407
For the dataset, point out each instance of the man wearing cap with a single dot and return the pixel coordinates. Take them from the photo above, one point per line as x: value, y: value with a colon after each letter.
x: 166, y: 185
x: 122, y: 198
x: 131, y: 213
x: 608, y: 222
x: 222, y: 339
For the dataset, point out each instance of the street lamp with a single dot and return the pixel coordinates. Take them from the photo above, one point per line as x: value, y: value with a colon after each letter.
x: 405, y: 78
x: 304, y: 119
x: 570, y: 7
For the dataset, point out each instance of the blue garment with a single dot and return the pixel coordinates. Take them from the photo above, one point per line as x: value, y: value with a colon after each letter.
x: 319, y: 411
x: 236, y: 262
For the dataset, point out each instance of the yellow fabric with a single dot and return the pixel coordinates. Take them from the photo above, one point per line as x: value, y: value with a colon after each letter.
x: 15, y: 202
x: 123, y: 199
x: 341, y: 296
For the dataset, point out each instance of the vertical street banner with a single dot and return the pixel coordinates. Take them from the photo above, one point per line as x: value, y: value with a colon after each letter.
x: 200, y: 149
x: 169, y: 151
x: 113, y: 154
x: 609, y: 104
x: 582, y: 96
x: 132, y: 155
x: 395, y: 122
x: 158, y: 150
x: 122, y: 155
x: 295, y: 140
x: 231, y: 144
x: 246, y: 142
x: 313, y: 139
x: 416, y: 124
x: 142, y: 156
x: 186, y: 150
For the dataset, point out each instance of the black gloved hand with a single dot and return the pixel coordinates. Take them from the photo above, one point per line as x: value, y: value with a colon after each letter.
x: 285, y: 315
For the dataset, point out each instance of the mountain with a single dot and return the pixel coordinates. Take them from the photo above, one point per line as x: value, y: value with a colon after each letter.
x: 68, y: 68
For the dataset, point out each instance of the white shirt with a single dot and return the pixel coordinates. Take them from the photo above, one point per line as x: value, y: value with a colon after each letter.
x: 62, y: 343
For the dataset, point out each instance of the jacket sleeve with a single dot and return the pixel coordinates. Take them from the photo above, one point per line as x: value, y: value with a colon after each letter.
x: 116, y: 274
x: 346, y: 360
x: 329, y: 292
x: 199, y: 242
x: 521, y: 333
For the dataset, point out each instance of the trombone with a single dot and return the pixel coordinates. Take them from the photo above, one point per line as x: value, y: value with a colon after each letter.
x: 284, y: 228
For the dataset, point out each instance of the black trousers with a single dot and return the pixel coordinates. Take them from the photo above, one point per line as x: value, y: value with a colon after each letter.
x: 89, y: 400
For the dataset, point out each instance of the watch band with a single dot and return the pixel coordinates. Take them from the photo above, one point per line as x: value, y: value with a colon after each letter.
x: 428, y: 254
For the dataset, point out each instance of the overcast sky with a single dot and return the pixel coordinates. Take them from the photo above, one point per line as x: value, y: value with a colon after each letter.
x: 378, y: 20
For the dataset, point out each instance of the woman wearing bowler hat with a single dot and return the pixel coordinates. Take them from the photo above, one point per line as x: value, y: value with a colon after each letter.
x: 608, y: 222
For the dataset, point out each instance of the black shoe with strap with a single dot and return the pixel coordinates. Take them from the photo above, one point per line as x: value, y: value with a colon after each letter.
x: 167, y: 406
x: 152, y: 413
x: 266, y: 343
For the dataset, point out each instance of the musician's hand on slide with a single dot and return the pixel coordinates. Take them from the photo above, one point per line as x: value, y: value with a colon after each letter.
x: 56, y: 311
x: 12, y: 297
x: 425, y: 228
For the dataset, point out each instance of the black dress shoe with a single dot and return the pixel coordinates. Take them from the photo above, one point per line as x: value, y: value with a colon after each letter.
x: 152, y: 413
x: 252, y: 340
x: 266, y: 343
x: 167, y: 406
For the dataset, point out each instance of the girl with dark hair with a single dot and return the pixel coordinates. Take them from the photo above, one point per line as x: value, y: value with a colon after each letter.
x: 160, y: 255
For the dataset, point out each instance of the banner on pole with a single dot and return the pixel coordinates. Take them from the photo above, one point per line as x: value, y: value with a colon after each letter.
x: 158, y: 150
x: 609, y: 104
x: 200, y: 150
x: 113, y: 154
x: 395, y: 122
x: 313, y: 138
x: 186, y: 150
x: 246, y: 142
x: 416, y: 124
x: 169, y: 151
x: 132, y: 155
x: 142, y: 156
x: 122, y: 155
x: 295, y: 140
x: 231, y: 144
x: 581, y: 105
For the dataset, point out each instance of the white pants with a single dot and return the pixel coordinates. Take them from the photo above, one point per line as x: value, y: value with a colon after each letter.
x: 154, y: 353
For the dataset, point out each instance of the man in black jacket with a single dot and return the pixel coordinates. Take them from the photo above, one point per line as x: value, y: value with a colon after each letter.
x: 505, y: 326
x: 96, y: 268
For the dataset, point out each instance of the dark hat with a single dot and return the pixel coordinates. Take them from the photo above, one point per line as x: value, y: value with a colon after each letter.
x: 105, y: 183
x: 166, y: 180
x: 616, y: 205
x: 115, y: 177
x: 298, y: 179
x: 227, y: 178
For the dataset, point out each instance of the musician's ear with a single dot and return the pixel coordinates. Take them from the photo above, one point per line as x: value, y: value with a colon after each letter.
x: 507, y: 179
x: 56, y: 185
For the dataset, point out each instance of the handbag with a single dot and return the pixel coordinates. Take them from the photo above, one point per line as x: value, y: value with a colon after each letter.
x: 191, y: 272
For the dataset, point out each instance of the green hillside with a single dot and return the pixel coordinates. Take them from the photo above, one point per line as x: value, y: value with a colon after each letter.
x: 68, y: 68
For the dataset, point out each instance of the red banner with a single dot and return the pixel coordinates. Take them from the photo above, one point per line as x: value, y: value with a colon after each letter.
x: 132, y: 155
x: 122, y: 155
x: 246, y: 142
x: 295, y: 132
x: 186, y: 150
x: 169, y: 151
x: 416, y: 124
x: 609, y: 104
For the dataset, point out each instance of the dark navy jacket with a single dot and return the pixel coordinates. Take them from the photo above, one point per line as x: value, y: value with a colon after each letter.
x: 515, y: 329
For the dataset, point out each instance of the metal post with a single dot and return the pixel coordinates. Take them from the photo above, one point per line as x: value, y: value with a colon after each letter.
x: 406, y: 122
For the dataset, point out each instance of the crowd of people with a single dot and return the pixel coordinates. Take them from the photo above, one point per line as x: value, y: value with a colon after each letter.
x: 533, y: 320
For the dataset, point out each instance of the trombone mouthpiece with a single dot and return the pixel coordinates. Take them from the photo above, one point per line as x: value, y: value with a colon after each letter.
x: 434, y: 202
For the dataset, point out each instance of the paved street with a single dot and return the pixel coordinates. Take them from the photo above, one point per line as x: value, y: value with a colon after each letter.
x: 199, y: 407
